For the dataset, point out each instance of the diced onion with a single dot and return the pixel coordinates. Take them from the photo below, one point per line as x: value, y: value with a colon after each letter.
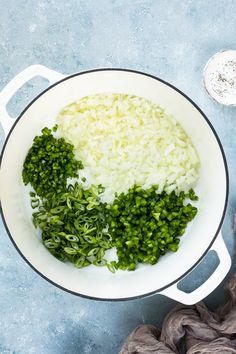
x: 123, y: 139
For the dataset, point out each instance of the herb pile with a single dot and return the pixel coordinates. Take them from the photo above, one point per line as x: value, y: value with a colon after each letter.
x: 144, y: 225
x: 73, y: 223
x: 49, y: 163
x: 76, y: 226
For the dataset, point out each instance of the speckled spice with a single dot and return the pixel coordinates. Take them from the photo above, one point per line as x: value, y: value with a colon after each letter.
x: 170, y: 39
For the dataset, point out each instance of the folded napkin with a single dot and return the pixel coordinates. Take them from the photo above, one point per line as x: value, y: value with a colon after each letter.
x: 190, y: 329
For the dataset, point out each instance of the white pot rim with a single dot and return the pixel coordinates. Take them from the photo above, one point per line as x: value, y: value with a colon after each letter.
x: 213, y: 238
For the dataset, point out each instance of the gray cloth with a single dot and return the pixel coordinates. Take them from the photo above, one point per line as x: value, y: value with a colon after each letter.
x: 190, y: 329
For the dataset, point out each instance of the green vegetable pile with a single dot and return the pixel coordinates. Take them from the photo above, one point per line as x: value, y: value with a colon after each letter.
x: 69, y: 216
x: 144, y: 225
x: 73, y: 224
x: 49, y: 163
x: 77, y: 226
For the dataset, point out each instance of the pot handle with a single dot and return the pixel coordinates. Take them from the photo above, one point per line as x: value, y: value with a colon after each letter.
x: 17, y: 82
x: 210, y: 284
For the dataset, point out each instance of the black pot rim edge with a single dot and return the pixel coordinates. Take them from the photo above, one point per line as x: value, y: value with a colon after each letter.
x: 226, y: 195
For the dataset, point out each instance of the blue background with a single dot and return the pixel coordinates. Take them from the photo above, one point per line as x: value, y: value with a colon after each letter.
x: 170, y: 39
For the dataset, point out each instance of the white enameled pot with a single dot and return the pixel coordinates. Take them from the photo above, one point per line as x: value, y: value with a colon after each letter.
x: 202, y: 235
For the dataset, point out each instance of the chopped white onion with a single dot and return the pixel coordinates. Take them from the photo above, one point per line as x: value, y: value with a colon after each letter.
x: 123, y: 139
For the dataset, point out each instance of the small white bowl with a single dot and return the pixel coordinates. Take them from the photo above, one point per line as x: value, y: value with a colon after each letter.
x: 219, y: 77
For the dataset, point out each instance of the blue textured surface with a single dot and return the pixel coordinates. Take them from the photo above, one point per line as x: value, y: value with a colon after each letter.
x: 170, y: 39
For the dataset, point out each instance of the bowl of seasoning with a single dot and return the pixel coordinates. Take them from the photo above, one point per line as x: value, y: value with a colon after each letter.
x: 219, y: 77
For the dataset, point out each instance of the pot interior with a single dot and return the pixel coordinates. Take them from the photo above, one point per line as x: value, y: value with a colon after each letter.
x: 94, y: 281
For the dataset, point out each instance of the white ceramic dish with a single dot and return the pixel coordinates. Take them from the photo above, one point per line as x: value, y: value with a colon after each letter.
x: 98, y: 283
x: 219, y: 77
